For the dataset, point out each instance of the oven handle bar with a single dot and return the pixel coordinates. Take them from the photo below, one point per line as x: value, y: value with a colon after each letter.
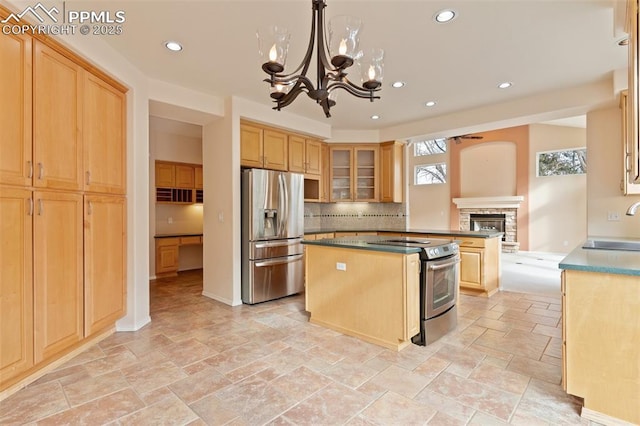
x: 279, y: 261
x: 443, y: 265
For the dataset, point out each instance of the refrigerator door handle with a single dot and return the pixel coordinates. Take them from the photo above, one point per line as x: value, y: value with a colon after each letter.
x: 279, y: 261
x: 283, y: 222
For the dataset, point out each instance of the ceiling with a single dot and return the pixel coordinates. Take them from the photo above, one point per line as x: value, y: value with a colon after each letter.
x: 538, y: 45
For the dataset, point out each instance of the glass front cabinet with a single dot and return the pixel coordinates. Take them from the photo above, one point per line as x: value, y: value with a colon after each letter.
x: 354, y: 173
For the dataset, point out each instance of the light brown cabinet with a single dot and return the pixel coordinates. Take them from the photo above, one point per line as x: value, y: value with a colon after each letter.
x: 63, y: 142
x: 479, y: 265
x: 57, y: 120
x: 305, y: 155
x: 16, y: 165
x: 178, y: 183
x: 16, y: 282
x: 58, y: 270
x: 391, y: 172
x: 167, y: 256
x: 105, y: 261
x: 600, y: 323
x: 263, y: 148
x: 104, y: 140
x: 168, y: 253
x: 354, y: 173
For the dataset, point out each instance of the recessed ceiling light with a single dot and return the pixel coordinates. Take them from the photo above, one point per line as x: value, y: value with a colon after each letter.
x: 444, y: 16
x: 398, y: 84
x: 430, y: 103
x: 174, y: 46
x: 505, y: 85
x: 375, y: 117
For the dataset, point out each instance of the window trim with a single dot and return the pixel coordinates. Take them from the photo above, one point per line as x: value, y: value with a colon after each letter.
x: 415, y: 173
x: 558, y: 150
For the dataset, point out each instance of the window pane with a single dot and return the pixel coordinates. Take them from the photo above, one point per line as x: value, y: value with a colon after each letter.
x: 429, y: 147
x: 428, y: 174
x: 569, y: 162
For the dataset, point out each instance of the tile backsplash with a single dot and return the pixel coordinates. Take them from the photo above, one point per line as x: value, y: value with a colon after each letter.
x: 354, y: 216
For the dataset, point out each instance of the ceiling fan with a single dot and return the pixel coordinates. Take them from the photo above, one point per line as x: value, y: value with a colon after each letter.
x: 459, y: 138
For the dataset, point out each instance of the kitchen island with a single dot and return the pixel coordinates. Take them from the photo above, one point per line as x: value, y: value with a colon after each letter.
x: 601, y: 332
x: 364, y: 289
x: 479, y: 251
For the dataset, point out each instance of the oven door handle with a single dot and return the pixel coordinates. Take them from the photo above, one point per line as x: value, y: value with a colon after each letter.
x: 443, y: 265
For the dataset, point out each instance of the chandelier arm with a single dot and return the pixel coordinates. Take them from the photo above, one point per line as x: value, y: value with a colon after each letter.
x: 354, y: 90
x: 287, y: 99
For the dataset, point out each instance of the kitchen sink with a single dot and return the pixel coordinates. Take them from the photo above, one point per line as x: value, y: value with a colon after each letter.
x: 612, y: 245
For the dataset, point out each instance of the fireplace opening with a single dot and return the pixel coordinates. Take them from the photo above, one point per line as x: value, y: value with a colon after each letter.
x: 488, y: 222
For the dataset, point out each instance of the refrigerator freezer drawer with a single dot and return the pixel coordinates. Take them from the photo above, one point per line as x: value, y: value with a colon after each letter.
x: 273, y: 278
x: 275, y: 248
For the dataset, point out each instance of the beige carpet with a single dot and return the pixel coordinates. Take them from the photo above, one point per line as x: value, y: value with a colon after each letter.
x: 531, y: 272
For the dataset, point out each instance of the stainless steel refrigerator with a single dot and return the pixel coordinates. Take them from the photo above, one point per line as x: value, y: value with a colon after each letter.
x: 272, y: 232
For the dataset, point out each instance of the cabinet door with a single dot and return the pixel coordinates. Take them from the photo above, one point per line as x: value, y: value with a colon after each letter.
x: 251, y: 153
x: 185, y: 177
x: 366, y: 174
x: 58, y: 264
x: 391, y: 172
x: 16, y: 165
x: 104, y: 145
x: 297, y: 162
x: 199, y: 184
x: 341, y: 184
x: 105, y: 261
x: 167, y: 256
x: 16, y: 282
x: 325, y: 177
x: 471, y: 261
x: 165, y: 175
x: 57, y: 120
x: 313, y: 156
x: 276, y: 149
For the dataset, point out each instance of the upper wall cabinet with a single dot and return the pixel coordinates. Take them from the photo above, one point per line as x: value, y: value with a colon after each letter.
x: 263, y: 148
x: 16, y: 166
x: 57, y: 120
x: 354, y: 173
x: 391, y: 172
x: 305, y: 155
x: 179, y: 183
x: 104, y: 145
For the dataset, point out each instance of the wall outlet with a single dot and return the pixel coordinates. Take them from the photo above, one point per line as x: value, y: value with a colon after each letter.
x: 341, y: 266
x: 613, y: 216
x: 359, y: 215
x: 169, y: 220
x: 220, y: 216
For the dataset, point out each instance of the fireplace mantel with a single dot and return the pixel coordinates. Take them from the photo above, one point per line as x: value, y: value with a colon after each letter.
x: 505, y: 202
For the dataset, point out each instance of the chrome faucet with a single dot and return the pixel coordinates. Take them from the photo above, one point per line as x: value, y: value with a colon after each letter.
x: 632, y: 208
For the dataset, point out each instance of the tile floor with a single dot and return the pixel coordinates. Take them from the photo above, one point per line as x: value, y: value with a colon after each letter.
x: 202, y: 362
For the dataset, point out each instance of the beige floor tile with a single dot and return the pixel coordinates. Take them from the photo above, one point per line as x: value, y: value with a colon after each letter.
x: 202, y: 362
x: 392, y: 408
x: 32, y: 403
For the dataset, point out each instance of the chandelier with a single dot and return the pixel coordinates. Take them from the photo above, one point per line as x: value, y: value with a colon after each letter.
x: 333, y: 56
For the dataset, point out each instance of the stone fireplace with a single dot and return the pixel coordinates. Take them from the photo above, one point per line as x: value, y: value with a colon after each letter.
x: 488, y: 212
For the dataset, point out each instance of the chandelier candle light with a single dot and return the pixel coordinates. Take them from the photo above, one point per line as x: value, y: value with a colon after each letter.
x: 273, y: 44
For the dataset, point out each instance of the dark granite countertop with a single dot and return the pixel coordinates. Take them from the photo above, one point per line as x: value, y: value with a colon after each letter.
x: 365, y: 242
x: 177, y: 235
x: 443, y: 232
x: 604, y: 261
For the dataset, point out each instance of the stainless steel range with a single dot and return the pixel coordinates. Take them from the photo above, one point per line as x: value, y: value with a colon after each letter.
x: 439, y: 280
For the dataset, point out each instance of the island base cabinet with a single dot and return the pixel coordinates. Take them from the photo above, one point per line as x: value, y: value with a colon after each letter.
x: 601, y: 331
x: 366, y: 294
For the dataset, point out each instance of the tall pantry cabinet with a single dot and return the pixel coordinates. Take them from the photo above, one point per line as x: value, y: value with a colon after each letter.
x: 62, y: 204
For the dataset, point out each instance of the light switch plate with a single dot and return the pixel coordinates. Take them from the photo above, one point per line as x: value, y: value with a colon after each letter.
x: 341, y: 266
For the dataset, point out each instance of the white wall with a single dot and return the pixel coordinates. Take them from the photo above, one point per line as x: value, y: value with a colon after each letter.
x: 604, y: 156
x: 557, y: 204
x: 428, y: 205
